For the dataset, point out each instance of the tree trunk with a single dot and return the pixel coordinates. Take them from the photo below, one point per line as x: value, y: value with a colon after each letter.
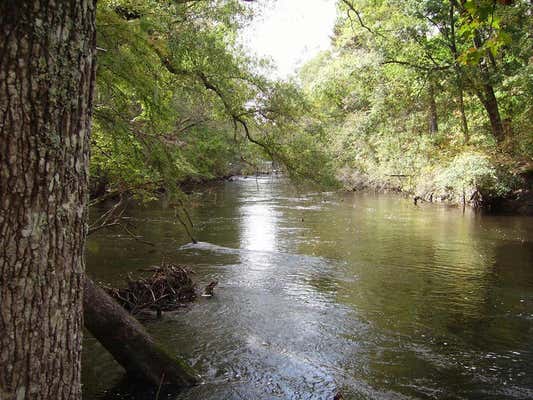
x: 489, y: 101
x: 464, y: 122
x: 432, y: 118
x: 125, y: 338
x: 458, y: 73
x: 47, y: 72
x: 488, y: 97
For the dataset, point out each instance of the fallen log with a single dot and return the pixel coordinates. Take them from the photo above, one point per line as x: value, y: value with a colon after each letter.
x: 129, y: 343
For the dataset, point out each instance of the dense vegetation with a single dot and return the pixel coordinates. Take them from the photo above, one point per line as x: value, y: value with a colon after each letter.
x: 432, y: 97
x: 165, y: 86
x: 178, y: 99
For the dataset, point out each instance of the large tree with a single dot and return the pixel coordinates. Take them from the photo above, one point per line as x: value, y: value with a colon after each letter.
x: 47, y: 72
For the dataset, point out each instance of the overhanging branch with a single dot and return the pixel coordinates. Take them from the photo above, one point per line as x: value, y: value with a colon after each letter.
x: 360, y: 18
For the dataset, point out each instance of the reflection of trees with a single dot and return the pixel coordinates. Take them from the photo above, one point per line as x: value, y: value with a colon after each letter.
x: 507, y: 302
x: 413, y: 267
x: 513, y: 263
x: 437, y: 289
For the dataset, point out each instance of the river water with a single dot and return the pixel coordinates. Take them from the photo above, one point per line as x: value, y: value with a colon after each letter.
x: 365, y: 294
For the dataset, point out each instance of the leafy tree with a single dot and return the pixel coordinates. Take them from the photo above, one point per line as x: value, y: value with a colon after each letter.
x: 411, y: 85
x: 177, y: 98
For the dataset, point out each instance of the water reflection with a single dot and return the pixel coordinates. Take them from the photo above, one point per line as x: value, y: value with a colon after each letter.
x: 259, y: 232
x: 258, y: 222
x: 321, y: 291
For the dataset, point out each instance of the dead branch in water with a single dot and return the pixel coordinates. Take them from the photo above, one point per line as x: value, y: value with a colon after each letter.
x: 167, y: 288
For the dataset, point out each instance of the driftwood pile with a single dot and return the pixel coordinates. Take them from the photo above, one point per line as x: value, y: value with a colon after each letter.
x: 167, y: 288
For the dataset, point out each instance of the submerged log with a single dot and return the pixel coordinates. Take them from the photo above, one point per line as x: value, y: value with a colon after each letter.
x: 129, y: 343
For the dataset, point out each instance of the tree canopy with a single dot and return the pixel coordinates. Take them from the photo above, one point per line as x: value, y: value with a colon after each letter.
x: 178, y: 98
x: 431, y: 93
x: 409, y: 89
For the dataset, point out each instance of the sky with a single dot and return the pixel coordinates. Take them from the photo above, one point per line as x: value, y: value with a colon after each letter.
x: 291, y: 32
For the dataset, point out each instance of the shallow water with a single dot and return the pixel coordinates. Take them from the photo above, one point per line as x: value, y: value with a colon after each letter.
x: 324, y: 292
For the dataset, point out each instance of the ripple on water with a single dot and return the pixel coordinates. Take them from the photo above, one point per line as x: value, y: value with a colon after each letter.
x: 323, y: 292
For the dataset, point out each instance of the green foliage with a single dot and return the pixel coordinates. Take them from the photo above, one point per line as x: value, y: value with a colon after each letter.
x: 466, y: 171
x: 155, y: 120
x: 178, y: 99
x: 396, y: 65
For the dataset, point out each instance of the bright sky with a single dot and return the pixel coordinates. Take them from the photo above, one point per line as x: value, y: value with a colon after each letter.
x: 291, y: 32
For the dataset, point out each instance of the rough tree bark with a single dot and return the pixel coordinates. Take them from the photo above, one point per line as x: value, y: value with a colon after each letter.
x: 47, y: 72
x: 126, y: 339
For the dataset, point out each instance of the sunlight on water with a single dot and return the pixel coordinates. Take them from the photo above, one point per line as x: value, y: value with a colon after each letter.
x: 259, y: 227
x: 320, y: 292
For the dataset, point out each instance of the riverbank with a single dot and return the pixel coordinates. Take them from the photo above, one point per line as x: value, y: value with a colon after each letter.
x: 103, y: 188
x: 467, y: 181
x: 470, y: 179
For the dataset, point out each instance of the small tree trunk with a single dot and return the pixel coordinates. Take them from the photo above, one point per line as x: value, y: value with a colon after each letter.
x: 126, y: 339
x: 47, y: 71
x: 464, y: 122
x: 458, y: 73
x: 433, y: 118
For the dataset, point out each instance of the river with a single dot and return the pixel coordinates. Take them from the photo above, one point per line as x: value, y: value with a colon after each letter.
x: 366, y: 294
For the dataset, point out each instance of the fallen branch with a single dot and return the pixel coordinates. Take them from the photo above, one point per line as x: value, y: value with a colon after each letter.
x: 168, y: 288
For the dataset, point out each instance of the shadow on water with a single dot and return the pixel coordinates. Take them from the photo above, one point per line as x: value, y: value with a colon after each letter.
x: 129, y: 389
x: 325, y: 291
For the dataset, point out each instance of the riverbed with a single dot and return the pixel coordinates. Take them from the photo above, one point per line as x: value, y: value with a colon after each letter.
x: 324, y: 292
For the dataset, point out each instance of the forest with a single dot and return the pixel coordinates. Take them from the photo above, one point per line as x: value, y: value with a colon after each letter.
x: 435, y: 101
x: 116, y: 106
